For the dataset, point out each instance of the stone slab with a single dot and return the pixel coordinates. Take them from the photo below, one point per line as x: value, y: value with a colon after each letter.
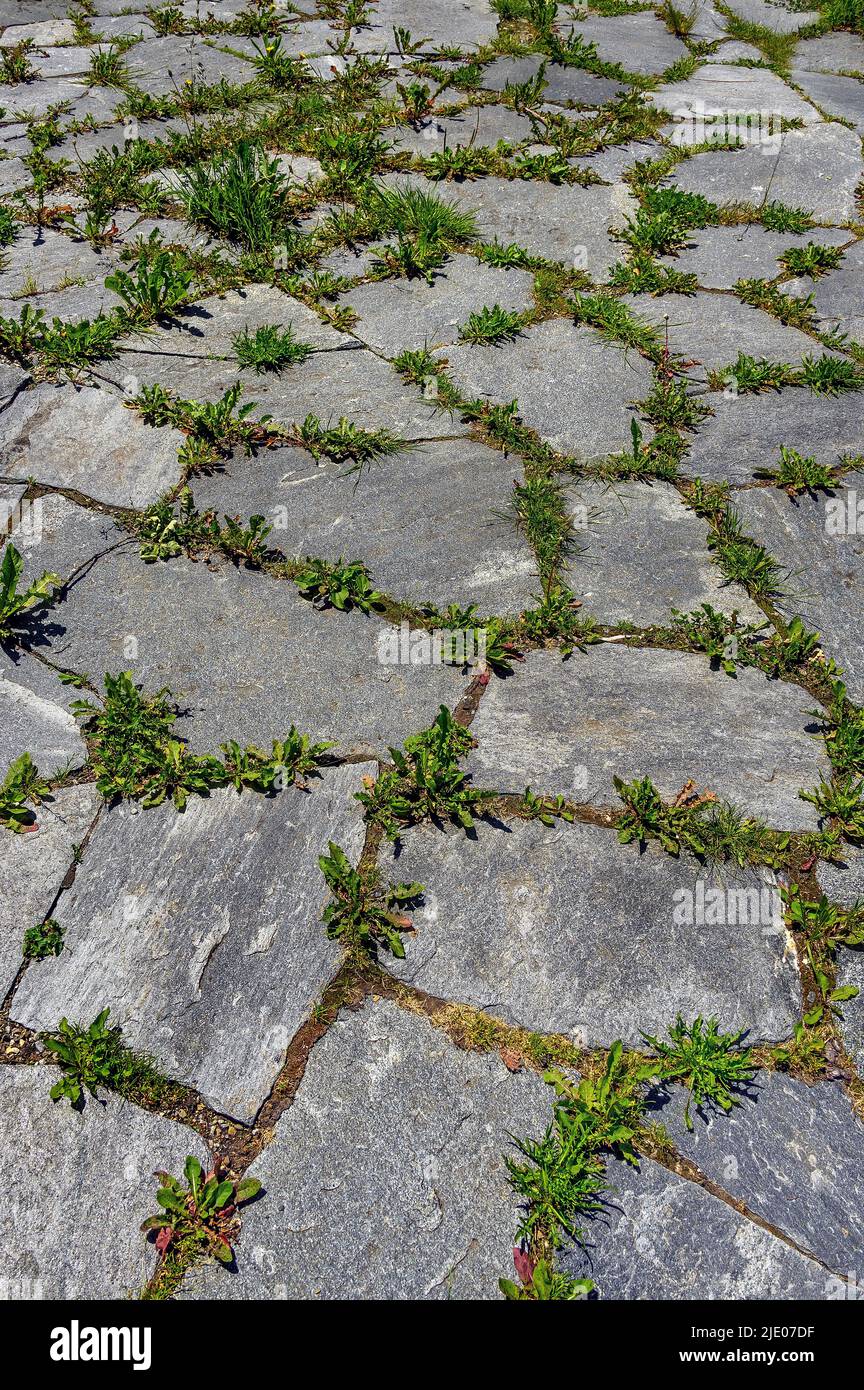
x: 347, y: 1221
x: 826, y: 583
x: 573, y: 387
x: 397, y: 315
x: 51, y: 533
x: 428, y: 524
x: 666, y: 1239
x: 721, y: 256
x: 637, y: 42
x: 33, y: 867
x: 837, y: 51
x: 248, y: 658
x: 619, y: 531
x: 838, y: 298
x: 792, y: 1153
x: 78, y: 1186
x: 844, y: 883
x: 821, y: 427
x: 723, y: 89
x: 468, y: 23
x: 563, y: 930
x: 203, y: 932
x: 836, y: 96
x: 636, y: 712
x: 117, y: 459
x: 775, y: 17
x: 35, y: 714
x: 817, y: 169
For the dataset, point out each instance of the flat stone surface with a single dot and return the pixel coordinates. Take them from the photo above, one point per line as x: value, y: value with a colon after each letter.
x: 838, y: 298
x: 792, y: 1153
x: 475, y: 127
x: 712, y: 339
x: 637, y: 42
x: 774, y: 16
x: 563, y: 930
x: 721, y: 256
x: 203, y: 933
x: 836, y: 96
x: 838, y: 51
x: 827, y: 570
x: 353, y: 383
x: 159, y: 65
x: 572, y: 386
x: 557, y: 725
x: 248, y: 657
x: 817, y: 169
x: 663, y: 1238
x: 51, y: 533
x: 208, y: 329
x: 844, y: 883
x: 123, y: 462
x: 342, y: 1214
x: 45, y: 260
x: 396, y: 315
x: 569, y: 86
x: 428, y: 524
x: 35, y: 715
x: 79, y: 1185
x: 619, y: 531
x: 722, y: 89
x: 468, y: 23
x: 561, y: 222
x: 820, y: 427
x: 12, y: 380
x: 33, y: 867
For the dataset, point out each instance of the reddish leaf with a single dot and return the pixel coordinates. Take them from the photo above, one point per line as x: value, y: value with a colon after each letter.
x: 525, y: 1265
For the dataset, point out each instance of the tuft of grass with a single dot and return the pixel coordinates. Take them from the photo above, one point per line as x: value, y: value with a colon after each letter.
x: 270, y: 348
x: 711, y: 1064
x: 813, y: 260
x: 21, y: 789
x: 96, y: 1056
x: 777, y: 217
x: 242, y: 195
x: 495, y: 325
x: 797, y: 474
x: 361, y: 913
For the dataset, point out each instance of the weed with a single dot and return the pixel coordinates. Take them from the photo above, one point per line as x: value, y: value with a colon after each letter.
x: 830, y: 376
x: 779, y: 218
x: 133, y: 752
x: 337, y: 585
x: 97, y: 1056
x: 108, y: 68
x: 43, y: 940
x: 22, y: 784
x: 269, y: 348
x: 786, y: 308
x: 797, y: 474
x: 201, y: 1217
x: 495, y: 253
x: 812, y: 259
x: 361, y: 913
x: 751, y: 374
x: 558, y: 617
x: 242, y: 195
x: 15, y: 65
x: 546, y: 809
x: 14, y: 601
x: 346, y: 442
x: 495, y: 325
x: 290, y: 761
x: 160, y: 285
x: 425, y: 781
x: 840, y: 801
x: 665, y: 219
x: 540, y: 1283
x: 706, y: 1061
x: 414, y: 212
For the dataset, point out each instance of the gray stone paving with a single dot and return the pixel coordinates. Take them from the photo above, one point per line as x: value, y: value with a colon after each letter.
x: 499, y: 411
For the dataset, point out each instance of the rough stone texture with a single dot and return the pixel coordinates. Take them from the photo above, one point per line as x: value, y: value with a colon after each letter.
x: 561, y: 222
x: 428, y: 524
x: 45, y: 260
x: 159, y: 65
x: 720, y: 256
x: 476, y: 127
x: 33, y: 866
x: 35, y: 715
x: 619, y: 531
x: 231, y: 889
x: 836, y: 96
x: 721, y: 89
x: 355, y: 384
x: 565, y: 930
x: 557, y: 725
x: 774, y: 16
x: 343, y: 1215
x: 821, y: 427
x: 127, y: 463
x: 697, y: 331
x: 792, y: 1153
x: 569, y: 86
x: 51, y: 533
x: 78, y: 1187
x: 663, y: 1238
x: 249, y: 656
x: 416, y: 314
x: 826, y: 580
x: 838, y: 298
x: 470, y: 23
x: 208, y: 329
x: 839, y: 51
x: 817, y: 168
x: 638, y: 42
x: 565, y: 379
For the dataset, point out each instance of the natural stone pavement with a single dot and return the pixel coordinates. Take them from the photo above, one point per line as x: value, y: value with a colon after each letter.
x: 544, y: 332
